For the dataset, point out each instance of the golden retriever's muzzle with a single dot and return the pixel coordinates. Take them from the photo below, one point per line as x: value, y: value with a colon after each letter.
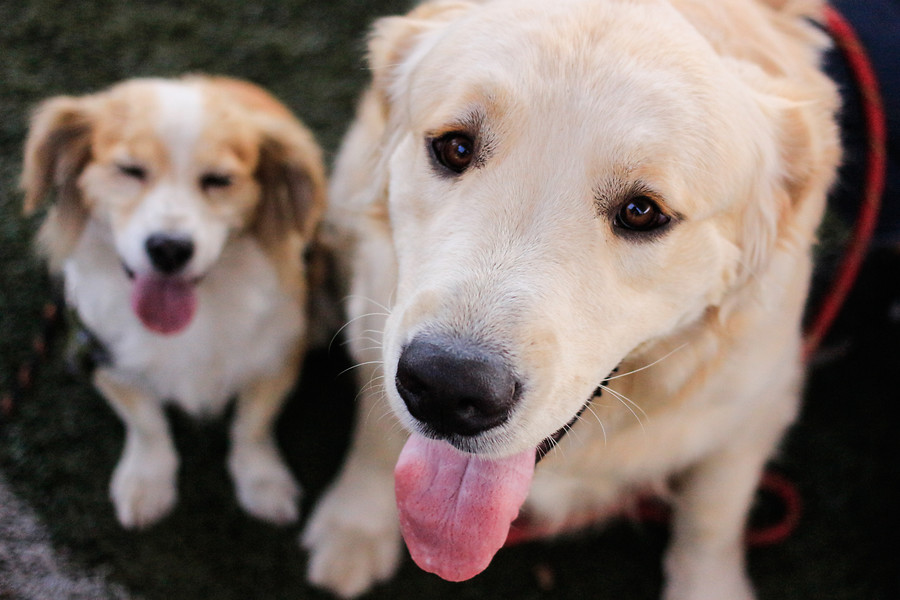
x: 454, y: 386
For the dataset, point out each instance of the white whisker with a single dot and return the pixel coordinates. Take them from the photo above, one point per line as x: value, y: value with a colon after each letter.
x: 655, y: 362
x: 364, y: 339
x: 599, y: 421
x: 362, y: 364
x: 628, y: 403
x: 370, y: 300
x: 347, y: 324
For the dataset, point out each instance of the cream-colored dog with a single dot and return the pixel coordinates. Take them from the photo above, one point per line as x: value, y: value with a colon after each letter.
x: 535, y: 194
x: 182, y: 208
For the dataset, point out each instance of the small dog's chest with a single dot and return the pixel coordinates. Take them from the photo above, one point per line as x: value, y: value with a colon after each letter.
x: 245, y: 326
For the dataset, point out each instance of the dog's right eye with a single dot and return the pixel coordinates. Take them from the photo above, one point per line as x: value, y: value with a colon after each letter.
x: 133, y: 171
x: 453, y: 151
x: 640, y: 214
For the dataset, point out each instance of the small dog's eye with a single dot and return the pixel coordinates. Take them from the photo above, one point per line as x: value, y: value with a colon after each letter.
x: 214, y: 181
x: 133, y: 171
x: 641, y: 213
x: 454, y: 151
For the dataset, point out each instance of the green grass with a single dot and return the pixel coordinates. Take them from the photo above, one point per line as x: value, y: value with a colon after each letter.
x: 59, y: 448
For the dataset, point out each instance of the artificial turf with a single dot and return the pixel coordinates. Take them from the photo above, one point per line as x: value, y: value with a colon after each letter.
x: 60, y: 442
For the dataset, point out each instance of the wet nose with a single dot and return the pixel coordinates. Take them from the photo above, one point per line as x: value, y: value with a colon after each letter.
x: 169, y: 253
x: 455, y: 386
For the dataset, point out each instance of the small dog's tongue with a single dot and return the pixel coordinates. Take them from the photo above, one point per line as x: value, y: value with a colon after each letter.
x: 164, y: 304
x: 456, y: 509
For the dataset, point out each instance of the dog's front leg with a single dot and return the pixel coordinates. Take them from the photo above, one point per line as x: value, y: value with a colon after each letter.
x: 705, y: 560
x: 264, y: 484
x: 143, y: 487
x: 353, y: 535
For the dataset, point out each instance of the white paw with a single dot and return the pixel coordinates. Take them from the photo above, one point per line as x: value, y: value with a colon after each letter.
x: 143, y: 487
x: 264, y: 485
x: 353, y: 536
x: 700, y: 574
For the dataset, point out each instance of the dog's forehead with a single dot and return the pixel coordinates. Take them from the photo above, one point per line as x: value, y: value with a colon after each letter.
x: 629, y: 86
x: 564, y: 50
x: 171, y: 123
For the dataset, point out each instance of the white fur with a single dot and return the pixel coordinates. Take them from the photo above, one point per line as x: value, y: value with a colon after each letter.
x: 240, y: 332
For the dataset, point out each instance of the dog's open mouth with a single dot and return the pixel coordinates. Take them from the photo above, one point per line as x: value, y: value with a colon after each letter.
x: 456, y: 509
x: 165, y: 304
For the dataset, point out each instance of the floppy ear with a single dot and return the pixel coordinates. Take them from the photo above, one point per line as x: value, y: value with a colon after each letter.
x: 393, y: 42
x: 56, y: 151
x: 792, y: 200
x: 292, y: 181
x: 800, y: 103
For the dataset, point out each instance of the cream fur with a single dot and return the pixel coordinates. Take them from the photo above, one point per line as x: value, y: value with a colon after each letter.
x: 720, y: 111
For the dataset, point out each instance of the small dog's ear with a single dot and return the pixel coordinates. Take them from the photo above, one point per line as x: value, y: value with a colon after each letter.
x: 292, y: 180
x: 56, y: 151
x: 393, y: 40
x: 57, y: 148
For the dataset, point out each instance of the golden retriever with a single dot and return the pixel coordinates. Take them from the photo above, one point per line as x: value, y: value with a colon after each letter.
x: 534, y: 195
x: 182, y: 209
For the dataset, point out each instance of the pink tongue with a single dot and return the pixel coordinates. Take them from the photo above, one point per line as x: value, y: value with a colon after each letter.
x: 455, y: 509
x: 164, y: 304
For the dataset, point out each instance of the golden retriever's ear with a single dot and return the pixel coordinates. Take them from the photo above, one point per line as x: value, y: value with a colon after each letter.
x: 393, y: 40
x: 792, y: 198
x: 292, y: 181
x: 56, y: 151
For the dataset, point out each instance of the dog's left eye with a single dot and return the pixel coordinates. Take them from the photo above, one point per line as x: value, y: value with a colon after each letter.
x: 641, y: 213
x: 211, y: 181
x: 454, y: 151
x: 132, y: 171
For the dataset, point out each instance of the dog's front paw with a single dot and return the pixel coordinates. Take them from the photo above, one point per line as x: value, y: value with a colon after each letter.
x: 353, y: 536
x: 143, y: 487
x: 264, y: 485
x: 698, y: 574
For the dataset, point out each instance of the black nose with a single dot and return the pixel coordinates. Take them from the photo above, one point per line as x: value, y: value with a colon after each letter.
x: 455, y: 386
x: 169, y: 253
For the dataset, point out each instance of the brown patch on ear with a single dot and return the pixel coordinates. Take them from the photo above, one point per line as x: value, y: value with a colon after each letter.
x: 292, y: 184
x: 56, y: 151
x: 393, y: 38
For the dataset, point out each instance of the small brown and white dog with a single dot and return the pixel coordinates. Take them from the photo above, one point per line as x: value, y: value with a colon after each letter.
x: 182, y: 210
x: 535, y: 194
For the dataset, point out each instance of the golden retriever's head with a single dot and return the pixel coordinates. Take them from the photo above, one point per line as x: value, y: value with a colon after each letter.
x: 171, y: 169
x: 567, y: 181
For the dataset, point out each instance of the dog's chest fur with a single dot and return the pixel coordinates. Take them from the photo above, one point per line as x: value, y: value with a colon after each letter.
x: 245, y: 327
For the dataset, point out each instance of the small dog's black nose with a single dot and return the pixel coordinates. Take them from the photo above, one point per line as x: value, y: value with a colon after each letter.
x: 455, y: 386
x: 169, y: 253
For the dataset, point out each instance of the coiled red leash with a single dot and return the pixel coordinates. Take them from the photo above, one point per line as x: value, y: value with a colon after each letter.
x: 851, y: 48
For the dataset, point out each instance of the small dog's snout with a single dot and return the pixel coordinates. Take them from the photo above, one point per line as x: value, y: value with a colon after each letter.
x: 454, y: 386
x: 169, y: 253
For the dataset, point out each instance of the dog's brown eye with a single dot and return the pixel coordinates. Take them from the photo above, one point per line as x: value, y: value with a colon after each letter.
x: 133, y: 171
x: 641, y: 213
x: 214, y: 181
x: 454, y: 151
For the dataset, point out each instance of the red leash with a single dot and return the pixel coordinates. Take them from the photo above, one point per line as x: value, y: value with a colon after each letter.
x: 654, y: 510
x: 876, y: 130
